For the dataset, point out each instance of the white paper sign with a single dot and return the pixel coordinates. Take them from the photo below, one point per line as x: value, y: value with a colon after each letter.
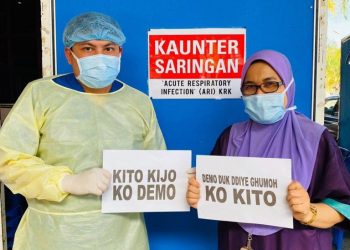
x: 244, y: 189
x: 146, y: 180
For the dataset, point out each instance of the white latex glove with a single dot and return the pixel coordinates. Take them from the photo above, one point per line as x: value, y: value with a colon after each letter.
x: 93, y: 181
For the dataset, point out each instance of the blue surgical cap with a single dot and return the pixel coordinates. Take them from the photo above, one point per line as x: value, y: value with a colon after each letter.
x: 92, y: 26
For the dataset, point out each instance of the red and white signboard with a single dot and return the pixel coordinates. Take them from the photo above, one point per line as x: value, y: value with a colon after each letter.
x: 195, y: 63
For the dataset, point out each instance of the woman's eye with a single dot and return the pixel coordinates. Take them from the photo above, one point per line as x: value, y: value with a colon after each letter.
x: 269, y: 84
x: 250, y: 86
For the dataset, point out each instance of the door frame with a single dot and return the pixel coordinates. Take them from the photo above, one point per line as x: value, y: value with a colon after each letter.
x: 49, y: 65
x: 48, y: 37
x: 319, y: 60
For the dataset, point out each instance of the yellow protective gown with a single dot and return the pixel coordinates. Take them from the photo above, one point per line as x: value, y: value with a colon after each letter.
x: 53, y: 130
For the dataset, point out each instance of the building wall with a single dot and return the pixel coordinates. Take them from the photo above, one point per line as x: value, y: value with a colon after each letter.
x: 283, y: 25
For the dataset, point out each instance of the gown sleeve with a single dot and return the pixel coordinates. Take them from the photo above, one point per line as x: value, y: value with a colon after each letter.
x: 330, y: 183
x: 154, y: 138
x: 20, y: 169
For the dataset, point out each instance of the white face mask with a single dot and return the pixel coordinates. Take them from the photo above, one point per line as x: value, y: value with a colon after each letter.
x: 98, y: 71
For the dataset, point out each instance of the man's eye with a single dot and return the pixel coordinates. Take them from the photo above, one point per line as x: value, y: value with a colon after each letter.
x: 87, y: 49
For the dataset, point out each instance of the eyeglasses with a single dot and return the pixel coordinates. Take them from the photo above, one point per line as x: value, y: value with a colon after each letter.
x: 266, y: 87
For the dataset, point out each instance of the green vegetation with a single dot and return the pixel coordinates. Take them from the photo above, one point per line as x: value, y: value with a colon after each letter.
x: 335, y: 8
x: 333, y: 70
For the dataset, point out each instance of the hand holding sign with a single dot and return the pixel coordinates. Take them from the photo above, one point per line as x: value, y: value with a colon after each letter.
x: 93, y: 181
x: 299, y: 201
x: 193, y: 192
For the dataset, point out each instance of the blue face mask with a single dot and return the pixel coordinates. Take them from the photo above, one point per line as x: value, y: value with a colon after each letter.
x: 266, y: 108
x: 98, y: 71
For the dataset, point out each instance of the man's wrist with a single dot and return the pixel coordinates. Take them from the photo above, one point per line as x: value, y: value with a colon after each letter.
x: 65, y: 182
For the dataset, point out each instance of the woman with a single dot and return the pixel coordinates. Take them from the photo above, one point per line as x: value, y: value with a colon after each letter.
x: 319, y: 196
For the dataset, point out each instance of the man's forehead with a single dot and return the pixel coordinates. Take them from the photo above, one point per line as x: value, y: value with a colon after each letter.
x: 96, y: 43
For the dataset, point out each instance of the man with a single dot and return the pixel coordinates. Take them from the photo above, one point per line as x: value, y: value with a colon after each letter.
x: 51, y: 144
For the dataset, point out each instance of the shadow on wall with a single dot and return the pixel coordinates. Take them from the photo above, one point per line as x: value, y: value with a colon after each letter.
x: 4, y: 110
